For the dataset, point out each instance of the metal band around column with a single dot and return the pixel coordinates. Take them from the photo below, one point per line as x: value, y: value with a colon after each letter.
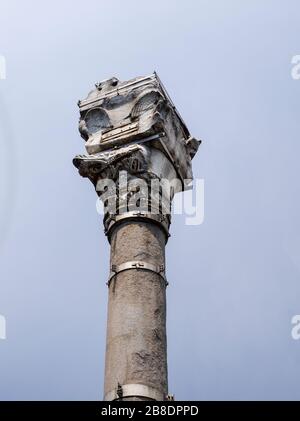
x: 137, y: 264
x: 134, y: 390
x: 162, y: 220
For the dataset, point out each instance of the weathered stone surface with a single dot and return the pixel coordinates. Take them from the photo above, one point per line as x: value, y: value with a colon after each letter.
x: 136, y: 328
x: 116, y: 114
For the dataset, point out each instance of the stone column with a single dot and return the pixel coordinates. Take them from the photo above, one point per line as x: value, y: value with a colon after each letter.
x: 136, y: 350
x: 139, y: 156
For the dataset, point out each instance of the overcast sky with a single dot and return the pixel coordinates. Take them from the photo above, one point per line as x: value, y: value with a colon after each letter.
x: 234, y: 280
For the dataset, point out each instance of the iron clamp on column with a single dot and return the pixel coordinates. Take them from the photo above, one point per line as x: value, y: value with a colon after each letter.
x: 137, y: 265
x: 111, y: 221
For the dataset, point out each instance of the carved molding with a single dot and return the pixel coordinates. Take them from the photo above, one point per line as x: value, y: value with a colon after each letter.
x: 134, y: 127
x: 118, y: 113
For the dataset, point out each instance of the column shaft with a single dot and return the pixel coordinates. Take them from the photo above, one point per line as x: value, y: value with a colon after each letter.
x: 136, y: 349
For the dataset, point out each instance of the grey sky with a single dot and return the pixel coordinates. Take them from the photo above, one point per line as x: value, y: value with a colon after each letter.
x: 234, y: 280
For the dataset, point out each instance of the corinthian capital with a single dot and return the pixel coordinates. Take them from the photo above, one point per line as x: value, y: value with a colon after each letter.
x: 133, y: 128
x: 133, y: 125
